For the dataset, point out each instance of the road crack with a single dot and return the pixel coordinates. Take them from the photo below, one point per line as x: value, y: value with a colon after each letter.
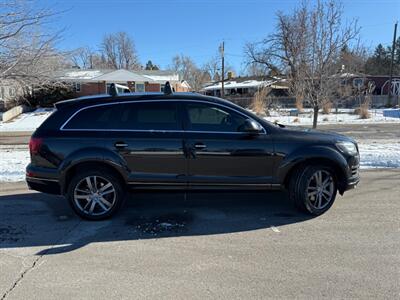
x: 36, y: 261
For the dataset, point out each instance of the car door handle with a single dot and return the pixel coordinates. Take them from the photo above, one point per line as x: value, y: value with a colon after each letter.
x: 120, y: 145
x: 199, y: 146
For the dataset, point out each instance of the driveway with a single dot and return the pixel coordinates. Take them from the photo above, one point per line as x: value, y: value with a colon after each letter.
x: 204, y: 245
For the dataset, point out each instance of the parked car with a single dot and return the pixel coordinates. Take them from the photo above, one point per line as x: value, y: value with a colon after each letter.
x: 93, y: 149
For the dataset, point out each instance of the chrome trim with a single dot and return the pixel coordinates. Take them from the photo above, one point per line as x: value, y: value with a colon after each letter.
x: 152, y: 130
x: 41, y: 179
x: 204, y: 184
x: 157, y: 183
x: 229, y: 184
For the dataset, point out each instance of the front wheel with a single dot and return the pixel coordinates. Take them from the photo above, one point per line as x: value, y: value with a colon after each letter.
x: 313, y: 189
x: 95, y: 195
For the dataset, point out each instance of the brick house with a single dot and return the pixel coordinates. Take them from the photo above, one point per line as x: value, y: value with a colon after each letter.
x: 92, y: 82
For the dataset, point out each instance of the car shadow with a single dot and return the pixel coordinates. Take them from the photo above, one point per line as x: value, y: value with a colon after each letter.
x: 47, y: 222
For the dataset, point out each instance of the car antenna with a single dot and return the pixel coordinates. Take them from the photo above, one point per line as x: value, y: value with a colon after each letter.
x: 167, y: 89
x: 113, y: 90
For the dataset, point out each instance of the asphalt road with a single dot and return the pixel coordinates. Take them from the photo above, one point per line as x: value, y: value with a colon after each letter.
x: 219, y: 245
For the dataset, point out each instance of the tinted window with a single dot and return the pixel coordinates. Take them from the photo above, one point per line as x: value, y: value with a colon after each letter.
x: 206, y: 117
x: 100, y: 117
x: 150, y: 116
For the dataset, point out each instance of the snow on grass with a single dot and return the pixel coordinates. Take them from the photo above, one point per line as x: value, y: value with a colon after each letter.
x: 14, y: 159
x: 344, y: 116
x: 27, y: 121
x: 380, y: 155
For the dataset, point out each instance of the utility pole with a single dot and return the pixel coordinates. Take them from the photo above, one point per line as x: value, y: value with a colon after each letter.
x: 391, y: 64
x: 222, y: 50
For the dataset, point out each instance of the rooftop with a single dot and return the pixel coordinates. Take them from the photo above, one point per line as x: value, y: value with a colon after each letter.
x: 122, y: 75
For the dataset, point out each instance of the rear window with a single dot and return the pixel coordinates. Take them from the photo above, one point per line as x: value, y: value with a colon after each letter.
x: 100, y: 117
x: 128, y: 116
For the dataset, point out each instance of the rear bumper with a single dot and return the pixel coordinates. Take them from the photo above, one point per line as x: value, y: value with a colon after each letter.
x: 43, y: 180
x: 43, y: 185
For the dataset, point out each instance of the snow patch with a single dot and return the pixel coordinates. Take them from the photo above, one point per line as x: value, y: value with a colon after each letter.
x: 344, y: 116
x: 13, y: 161
x: 379, y: 155
x: 27, y: 121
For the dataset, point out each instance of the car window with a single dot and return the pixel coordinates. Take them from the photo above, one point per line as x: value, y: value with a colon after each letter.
x: 100, y: 117
x: 206, y: 117
x: 150, y: 116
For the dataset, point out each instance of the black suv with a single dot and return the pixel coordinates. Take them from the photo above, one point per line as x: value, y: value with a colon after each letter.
x: 93, y: 149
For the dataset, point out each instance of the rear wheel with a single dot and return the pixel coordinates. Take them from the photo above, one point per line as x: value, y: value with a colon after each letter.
x: 313, y: 189
x: 95, y: 195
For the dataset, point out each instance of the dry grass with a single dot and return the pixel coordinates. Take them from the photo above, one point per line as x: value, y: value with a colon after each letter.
x: 326, y: 107
x: 259, y: 103
x: 325, y: 119
x: 299, y: 104
x: 363, y: 111
x: 297, y: 120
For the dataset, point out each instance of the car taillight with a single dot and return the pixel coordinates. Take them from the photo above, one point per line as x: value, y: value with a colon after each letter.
x: 34, y: 145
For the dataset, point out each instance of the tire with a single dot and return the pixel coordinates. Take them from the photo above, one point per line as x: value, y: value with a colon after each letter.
x: 313, y: 189
x: 95, y: 194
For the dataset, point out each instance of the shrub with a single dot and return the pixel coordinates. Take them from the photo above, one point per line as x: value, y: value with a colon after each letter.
x: 296, y: 120
x: 363, y: 111
x: 326, y: 107
x: 259, y: 102
x: 299, y: 104
x: 44, y: 96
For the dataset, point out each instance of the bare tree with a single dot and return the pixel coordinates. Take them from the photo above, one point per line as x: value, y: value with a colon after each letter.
x: 213, y: 68
x: 120, y: 52
x: 307, y: 43
x: 27, y: 53
x: 188, y: 70
x: 83, y: 57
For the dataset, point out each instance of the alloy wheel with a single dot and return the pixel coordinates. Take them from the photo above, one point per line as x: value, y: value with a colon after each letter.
x: 94, y: 195
x: 320, y: 189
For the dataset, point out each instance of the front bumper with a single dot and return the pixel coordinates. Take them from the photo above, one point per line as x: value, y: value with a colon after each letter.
x: 353, y: 173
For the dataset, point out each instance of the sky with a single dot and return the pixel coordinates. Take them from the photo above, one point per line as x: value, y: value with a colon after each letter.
x: 164, y: 28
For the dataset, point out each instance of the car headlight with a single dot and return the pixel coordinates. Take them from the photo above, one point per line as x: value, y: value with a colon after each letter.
x: 347, y: 147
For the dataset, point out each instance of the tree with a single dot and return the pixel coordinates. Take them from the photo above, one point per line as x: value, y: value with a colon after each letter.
x: 119, y: 51
x: 188, y: 70
x: 379, y: 62
x: 150, y: 66
x: 213, y: 68
x: 307, y: 45
x: 28, y: 56
x: 352, y: 60
x: 83, y: 58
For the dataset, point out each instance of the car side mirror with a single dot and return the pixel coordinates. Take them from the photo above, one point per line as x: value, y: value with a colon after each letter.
x: 251, y: 126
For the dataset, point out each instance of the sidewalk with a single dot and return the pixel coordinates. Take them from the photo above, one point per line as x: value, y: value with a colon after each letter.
x: 14, y: 137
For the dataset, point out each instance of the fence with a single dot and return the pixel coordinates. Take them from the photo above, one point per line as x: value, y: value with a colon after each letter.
x: 376, y: 101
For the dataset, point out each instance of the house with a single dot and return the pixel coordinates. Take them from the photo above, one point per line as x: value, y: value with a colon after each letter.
x: 9, y: 89
x: 241, y: 90
x: 92, y: 82
x: 246, y: 86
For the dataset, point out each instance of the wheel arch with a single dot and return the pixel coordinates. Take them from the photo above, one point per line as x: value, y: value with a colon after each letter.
x: 315, y: 156
x: 87, y: 159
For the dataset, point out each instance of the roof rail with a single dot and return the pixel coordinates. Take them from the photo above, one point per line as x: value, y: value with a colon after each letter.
x: 167, y: 89
x: 113, y: 90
